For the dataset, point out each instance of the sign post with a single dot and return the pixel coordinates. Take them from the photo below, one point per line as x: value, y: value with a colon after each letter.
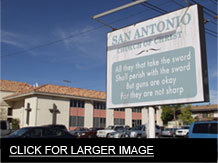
x: 151, y: 123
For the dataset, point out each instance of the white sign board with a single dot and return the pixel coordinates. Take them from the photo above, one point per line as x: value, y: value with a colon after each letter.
x: 158, y: 61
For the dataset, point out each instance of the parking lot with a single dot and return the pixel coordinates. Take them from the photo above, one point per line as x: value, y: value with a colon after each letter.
x: 196, y: 130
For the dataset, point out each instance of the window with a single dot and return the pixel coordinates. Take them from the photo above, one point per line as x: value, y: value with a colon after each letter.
x: 137, y: 110
x: 120, y: 109
x: 99, y: 105
x: 118, y: 121
x: 136, y: 122
x: 139, y: 127
x: 77, y: 103
x: 53, y: 132
x: 119, y: 128
x: 76, y: 121
x: 10, y: 111
x: 213, y: 128
x: 205, y: 128
x: 205, y: 115
x: 37, y: 132
x: 99, y: 122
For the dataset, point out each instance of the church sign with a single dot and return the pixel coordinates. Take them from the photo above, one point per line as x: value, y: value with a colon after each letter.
x: 159, y: 61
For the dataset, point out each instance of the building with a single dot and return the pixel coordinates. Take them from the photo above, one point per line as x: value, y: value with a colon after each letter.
x: 8, y: 88
x: 200, y: 113
x: 73, y: 107
x: 205, y: 111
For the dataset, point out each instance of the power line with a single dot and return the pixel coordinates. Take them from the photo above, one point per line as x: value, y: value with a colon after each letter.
x: 205, y: 8
x: 164, y: 11
x: 207, y: 13
x: 211, y: 34
x: 214, y: 34
x: 52, y: 42
x: 204, y: 11
x: 146, y: 4
x: 211, y: 31
x: 65, y: 38
x: 214, y: 2
x: 124, y: 18
x: 177, y: 3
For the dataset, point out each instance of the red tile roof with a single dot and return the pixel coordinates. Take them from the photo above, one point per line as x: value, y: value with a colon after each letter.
x: 56, y: 89
x: 63, y: 90
x: 13, y: 86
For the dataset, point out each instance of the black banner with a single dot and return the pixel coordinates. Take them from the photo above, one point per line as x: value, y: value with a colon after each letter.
x: 109, y: 150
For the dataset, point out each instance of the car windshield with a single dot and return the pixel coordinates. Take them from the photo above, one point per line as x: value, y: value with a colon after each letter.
x: 119, y: 128
x: 110, y: 128
x: 205, y: 128
x: 137, y: 128
x: 20, y: 132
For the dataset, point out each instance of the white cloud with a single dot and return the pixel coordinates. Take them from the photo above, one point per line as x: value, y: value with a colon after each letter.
x: 85, y: 40
x: 84, y: 45
x: 80, y: 45
x: 10, y: 38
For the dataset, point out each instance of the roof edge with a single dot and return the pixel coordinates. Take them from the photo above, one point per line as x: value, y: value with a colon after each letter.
x: 51, y: 94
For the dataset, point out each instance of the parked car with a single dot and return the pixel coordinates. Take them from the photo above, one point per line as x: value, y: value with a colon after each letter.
x: 5, y: 128
x: 79, y: 131
x: 204, y: 129
x: 110, y: 129
x: 91, y: 133
x: 169, y: 132
x: 59, y: 126
x: 40, y: 132
x: 119, y: 133
x: 183, y: 131
x: 138, y: 131
x: 141, y: 131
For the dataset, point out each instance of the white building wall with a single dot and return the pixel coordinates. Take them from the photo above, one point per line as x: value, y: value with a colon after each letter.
x: 32, y: 114
x: 109, y: 117
x: 144, y: 115
x: 44, y: 116
x: 88, y: 115
x: 18, y: 112
x: 215, y: 114
x: 128, y: 117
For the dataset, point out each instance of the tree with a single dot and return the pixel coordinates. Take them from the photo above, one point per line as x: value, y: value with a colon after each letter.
x: 167, y: 114
x: 186, y: 115
x: 15, y: 124
x: 175, y: 109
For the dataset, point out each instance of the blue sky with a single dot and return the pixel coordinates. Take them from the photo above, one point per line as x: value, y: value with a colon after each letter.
x: 32, y: 30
